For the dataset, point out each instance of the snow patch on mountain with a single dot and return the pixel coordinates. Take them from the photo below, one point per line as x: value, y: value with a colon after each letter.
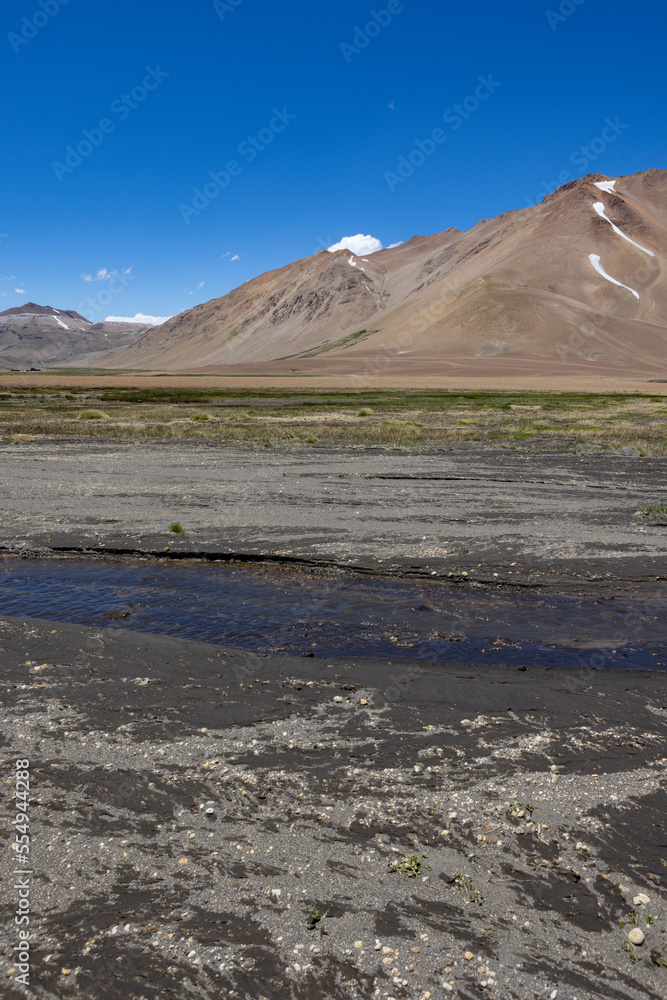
x: 595, y: 261
x: 599, y: 208
x: 608, y: 186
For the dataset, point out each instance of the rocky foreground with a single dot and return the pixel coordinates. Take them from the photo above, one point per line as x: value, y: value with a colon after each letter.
x: 207, y: 823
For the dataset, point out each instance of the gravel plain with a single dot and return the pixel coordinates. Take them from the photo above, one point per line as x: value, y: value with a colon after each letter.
x: 208, y: 823
x: 555, y: 520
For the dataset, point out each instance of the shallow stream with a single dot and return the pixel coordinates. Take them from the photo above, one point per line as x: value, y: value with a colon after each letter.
x: 274, y: 609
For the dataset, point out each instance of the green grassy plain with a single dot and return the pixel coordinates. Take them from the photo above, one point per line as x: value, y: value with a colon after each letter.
x: 304, y: 419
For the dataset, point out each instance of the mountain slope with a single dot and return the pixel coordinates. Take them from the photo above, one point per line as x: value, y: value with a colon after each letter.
x: 578, y: 279
x: 39, y: 335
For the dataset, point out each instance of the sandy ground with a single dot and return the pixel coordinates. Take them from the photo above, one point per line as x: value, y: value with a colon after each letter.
x: 210, y: 824
x: 471, y: 513
x: 490, y: 378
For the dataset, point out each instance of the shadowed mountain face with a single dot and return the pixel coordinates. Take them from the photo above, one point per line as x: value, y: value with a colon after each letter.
x: 577, y: 280
x: 33, y: 335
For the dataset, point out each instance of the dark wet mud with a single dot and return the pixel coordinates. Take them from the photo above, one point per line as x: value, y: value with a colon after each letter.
x: 211, y: 823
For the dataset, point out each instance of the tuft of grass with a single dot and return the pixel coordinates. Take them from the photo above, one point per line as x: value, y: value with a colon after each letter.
x: 628, y: 949
x: 177, y: 528
x: 93, y: 415
x: 653, y: 508
x: 516, y: 807
x: 659, y: 957
x: 364, y: 413
x: 465, y: 882
x: 411, y: 865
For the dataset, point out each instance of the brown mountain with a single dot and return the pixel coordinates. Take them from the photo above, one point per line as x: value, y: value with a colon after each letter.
x: 34, y: 335
x: 576, y: 280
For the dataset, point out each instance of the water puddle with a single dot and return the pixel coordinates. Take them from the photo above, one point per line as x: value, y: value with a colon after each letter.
x: 273, y: 609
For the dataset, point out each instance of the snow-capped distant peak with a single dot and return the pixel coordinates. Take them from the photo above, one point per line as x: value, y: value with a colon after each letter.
x: 607, y: 186
x: 595, y: 261
x: 599, y: 208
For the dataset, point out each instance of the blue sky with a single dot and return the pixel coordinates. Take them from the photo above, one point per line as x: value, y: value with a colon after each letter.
x: 291, y: 121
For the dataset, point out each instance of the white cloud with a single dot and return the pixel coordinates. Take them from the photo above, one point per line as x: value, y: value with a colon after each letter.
x: 200, y: 285
x: 101, y: 275
x: 139, y: 318
x: 19, y: 291
x: 104, y: 275
x: 235, y: 257
x: 360, y: 245
x: 392, y: 245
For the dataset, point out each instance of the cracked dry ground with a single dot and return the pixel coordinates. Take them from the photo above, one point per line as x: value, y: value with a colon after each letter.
x: 214, y: 824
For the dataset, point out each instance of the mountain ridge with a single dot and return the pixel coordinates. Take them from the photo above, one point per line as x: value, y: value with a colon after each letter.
x: 551, y: 282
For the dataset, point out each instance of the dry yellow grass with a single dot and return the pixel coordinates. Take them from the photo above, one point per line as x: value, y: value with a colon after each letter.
x: 414, y: 419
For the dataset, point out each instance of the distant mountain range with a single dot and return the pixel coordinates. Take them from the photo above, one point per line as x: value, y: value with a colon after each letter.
x: 575, y: 283
x: 33, y: 335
